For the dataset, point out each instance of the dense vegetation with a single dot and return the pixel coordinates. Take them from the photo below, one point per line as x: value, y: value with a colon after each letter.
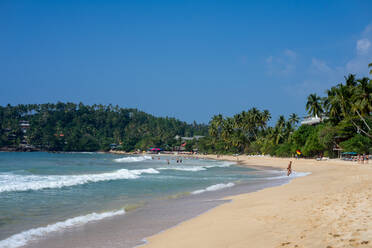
x: 346, y: 121
x: 344, y: 112
x: 72, y: 127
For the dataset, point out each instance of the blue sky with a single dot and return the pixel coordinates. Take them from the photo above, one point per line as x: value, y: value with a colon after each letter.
x: 184, y: 59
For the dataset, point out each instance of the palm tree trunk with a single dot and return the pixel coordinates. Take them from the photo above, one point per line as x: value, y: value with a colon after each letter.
x: 370, y: 136
x: 361, y: 117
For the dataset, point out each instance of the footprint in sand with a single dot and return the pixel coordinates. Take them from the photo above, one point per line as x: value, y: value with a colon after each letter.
x: 286, y: 243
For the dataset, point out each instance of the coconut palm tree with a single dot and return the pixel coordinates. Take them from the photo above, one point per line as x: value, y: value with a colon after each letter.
x: 293, y: 119
x: 362, y: 96
x: 350, y: 80
x: 331, y: 104
x: 215, y: 126
x: 314, y: 106
x: 266, y: 116
x: 227, y: 131
x: 278, y: 131
x: 362, y: 99
x: 344, y: 98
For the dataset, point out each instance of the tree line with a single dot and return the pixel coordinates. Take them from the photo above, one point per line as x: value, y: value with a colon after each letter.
x: 345, y: 122
x: 79, y: 127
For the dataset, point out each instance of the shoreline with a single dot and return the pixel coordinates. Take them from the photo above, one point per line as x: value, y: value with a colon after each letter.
x: 149, y: 215
x: 332, y: 207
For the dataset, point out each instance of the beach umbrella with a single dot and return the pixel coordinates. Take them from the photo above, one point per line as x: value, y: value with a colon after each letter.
x: 155, y: 149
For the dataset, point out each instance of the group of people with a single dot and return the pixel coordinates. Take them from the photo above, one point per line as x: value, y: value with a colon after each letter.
x: 178, y: 160
x: 363, y: 159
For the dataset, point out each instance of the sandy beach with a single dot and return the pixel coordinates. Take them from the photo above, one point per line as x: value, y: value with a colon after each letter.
x: 330, y: 208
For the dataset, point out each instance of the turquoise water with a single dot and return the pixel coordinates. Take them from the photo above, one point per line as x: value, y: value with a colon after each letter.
x: 37, y: 189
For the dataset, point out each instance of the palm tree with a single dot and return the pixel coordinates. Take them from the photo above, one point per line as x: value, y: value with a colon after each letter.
x: 278, y: 131
x: 344, y: 98
x: 238, y: 120
x: 227, y: 131
x: 370, y: 65
x: 331, y: 104
x: 288, y: 129
x: 265, y: 117
x: 362, y: 97
x: 350, y: 80
x: 215, y: 126
x: 343, y: 95
x: 293, y: 119
x: 313, y: 105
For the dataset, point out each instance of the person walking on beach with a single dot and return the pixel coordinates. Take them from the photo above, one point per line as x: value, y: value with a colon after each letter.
x: 289, y: 168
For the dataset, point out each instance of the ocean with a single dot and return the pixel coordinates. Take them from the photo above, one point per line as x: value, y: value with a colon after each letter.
x: 50, y: 199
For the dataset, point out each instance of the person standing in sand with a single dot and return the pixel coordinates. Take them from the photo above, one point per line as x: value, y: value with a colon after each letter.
x: 289, y: 168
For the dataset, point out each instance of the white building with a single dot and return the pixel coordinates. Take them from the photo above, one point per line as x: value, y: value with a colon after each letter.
x: 311, y: 120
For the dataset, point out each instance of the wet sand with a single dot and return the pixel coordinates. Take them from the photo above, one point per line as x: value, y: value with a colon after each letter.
x: 330, y: 208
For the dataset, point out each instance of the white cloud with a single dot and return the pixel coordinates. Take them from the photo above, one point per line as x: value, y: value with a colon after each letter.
x: 363, y: 46
x: 322, y: 75
x: 290, y: 54
x: 359, y: 64
x: 318, y: 65
x: 282, y: 65
x: 368, y: 29
x: 363, y: 55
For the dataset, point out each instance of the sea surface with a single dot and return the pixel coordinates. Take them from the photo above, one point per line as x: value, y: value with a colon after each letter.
x: 46, y: 196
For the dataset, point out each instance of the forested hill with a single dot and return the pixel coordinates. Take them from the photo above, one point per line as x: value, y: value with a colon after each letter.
x: 79, y: 127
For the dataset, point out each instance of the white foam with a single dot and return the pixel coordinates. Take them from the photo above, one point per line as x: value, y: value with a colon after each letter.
x: 220, y: 165
x: 11, y: 182
x: 24, y: 237
x: 197, y: 168
x: 184, y: 168
x: 293, y: 175
x: 213, y: 188
x: 226, y: 164
x: 132, y: 159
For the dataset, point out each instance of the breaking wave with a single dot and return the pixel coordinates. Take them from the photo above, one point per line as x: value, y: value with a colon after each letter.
x: 11, y: 182
x: 184, y: 168
x: 24, y: 237
x: 213, y: 188
x: 132, y: 159
x: 196, y: 168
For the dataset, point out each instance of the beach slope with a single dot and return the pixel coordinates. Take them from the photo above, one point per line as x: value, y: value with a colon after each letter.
x: 331, y: 208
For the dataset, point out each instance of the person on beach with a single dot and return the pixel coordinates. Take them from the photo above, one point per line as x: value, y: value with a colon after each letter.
x: 289, y: 168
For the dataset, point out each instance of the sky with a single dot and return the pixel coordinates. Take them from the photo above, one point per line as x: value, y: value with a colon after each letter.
x: 184, y: 59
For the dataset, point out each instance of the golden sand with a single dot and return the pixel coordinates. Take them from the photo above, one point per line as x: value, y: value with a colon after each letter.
x: 330, y: 208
